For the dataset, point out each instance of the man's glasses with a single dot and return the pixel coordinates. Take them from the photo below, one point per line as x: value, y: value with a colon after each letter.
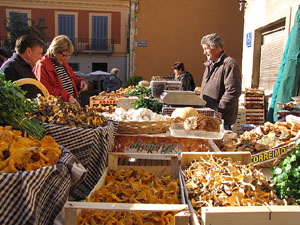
x: 66, y: 56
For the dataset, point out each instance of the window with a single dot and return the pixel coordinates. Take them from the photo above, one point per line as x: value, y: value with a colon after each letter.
x: 100, y: 32
x: 24, y: 14
x: 66, y: 26
x: 99, y: 66
x: 66, y: 23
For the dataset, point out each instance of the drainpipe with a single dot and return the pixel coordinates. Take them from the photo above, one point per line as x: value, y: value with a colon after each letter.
x: 133, y: 8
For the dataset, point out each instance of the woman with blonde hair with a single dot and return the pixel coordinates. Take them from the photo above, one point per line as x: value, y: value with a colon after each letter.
x: 54, y: 72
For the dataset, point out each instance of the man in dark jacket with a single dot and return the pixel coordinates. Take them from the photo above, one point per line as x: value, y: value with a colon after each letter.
x: 3, y: 56
x: 29, y: 50
x: 222, y: 81
x: 185, y: 77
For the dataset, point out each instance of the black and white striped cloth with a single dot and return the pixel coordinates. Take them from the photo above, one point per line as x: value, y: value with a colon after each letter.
x: 64, y: 77
x: 90, y: 146
x: 36, y: 197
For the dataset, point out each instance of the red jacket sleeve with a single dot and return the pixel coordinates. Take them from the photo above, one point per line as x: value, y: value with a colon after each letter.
x: 50, y: 80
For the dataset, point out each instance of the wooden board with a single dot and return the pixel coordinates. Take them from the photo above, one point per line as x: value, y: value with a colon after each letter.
x: 186, y: 157
x: 258, y: 215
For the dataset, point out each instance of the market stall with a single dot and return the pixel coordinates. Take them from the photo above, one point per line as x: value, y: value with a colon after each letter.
x: 36, y: 178
x: 84, y: 131
x: 145, y: 123
x: 90, y: 147
x: 113, y: 139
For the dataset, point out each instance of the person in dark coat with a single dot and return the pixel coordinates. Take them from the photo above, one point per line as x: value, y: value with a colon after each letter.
x: 29, y: 49
x: 222, y: 80
x: 185, y: 77
x: 113, y: 82
x: 3, y: 56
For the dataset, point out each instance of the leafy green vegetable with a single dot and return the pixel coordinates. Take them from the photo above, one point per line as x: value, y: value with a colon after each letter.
x: 14, y: 107
x: 149, y: 103
x: 140, y: 90
x: 133, y: 81
x: 287, y: 175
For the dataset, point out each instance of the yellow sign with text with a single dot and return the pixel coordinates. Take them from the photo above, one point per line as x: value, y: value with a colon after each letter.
x: 271, y: 154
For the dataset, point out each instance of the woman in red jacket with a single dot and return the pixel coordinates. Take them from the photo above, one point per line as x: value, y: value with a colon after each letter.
x: 54, y: 72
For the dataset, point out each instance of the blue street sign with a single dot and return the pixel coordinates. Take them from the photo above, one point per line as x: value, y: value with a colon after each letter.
x: 248, y: 39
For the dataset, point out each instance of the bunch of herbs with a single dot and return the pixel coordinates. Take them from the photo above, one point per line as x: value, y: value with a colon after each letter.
x: 140, y: 90
x: 149, y: 103
x: 14, y: 108
x: 287, y: 175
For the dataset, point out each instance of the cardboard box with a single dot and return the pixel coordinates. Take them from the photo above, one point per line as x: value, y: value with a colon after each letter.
x: 172, y: 168
x: 258, y: 215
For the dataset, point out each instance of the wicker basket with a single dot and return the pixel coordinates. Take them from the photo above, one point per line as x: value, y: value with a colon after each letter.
x: 34, y: 82
x: 143, y: 127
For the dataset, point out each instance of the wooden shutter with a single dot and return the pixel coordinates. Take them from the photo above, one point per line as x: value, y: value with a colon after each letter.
x: 99, y: 32
x: 271, y: 55
x: 66, y: 26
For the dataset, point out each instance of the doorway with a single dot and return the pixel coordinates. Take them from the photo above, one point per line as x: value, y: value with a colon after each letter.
x: 98, y: 84
x: 99, y: 66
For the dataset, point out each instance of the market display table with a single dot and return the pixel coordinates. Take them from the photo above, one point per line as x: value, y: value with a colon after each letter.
x: 284, y: 112
x: 36, y: 197
x: 90, y: 146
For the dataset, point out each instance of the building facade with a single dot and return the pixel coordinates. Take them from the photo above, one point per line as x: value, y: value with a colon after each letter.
x: 97, y: 28
x: 266, y: 30
x: 166, y: 31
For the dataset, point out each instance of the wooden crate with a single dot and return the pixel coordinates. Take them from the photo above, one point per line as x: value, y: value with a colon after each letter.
x: 117, y: 161
x: 255, y: 116
x: 246, y: 215
x: 255, y: 106
x: 187, y: 157
x: 258, y: 215
x: 97, y: 101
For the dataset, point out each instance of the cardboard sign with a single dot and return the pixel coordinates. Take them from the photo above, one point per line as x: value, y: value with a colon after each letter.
x: 271, y: 154
x: 159, y: 145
